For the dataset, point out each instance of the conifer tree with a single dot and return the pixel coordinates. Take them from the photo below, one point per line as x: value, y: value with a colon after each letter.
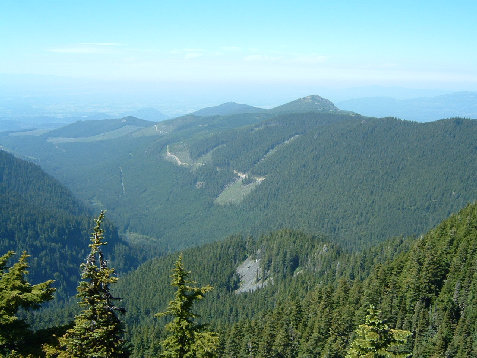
x: 15, y: 293
x: 235, y: 339
x: 375, y: 339
x: 186, y: 339
x: 97, y: 330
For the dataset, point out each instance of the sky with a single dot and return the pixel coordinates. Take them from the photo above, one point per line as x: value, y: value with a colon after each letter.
x: 215, y: 50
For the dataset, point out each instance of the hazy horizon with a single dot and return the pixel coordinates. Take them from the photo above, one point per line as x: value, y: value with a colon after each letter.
x: 181, y: 56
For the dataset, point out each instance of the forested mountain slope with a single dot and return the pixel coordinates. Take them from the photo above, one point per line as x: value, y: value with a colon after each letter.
x: 39, y: 215
x: 306, y: 104
x: 82, y: 129
x: 193, y: 180
x: 227, y: 109
x: 428, y: 290
x: 282, y: 264
x: 312, y: 295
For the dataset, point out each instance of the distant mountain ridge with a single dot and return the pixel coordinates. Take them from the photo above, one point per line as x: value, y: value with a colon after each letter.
x: 94, y: 127
x: 227, y: 109
x: 305, y: 195
x: 424, y: 109
x: 147, y: 113
x: 312, y: 103
x: 192, y: 179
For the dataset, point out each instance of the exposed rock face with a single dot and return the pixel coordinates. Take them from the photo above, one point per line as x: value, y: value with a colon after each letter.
x: 251, y: 276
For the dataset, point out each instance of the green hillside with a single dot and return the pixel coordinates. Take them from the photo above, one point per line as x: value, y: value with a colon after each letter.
x: 193, y: 180
x: 428, y: 290
x: 308, y: 296
x: 311, y: 103
x: 286, y: 293
x: 39, y: 215
x: 97, y: 127
x: 283, y: 263
x: 226, y: 109
x: 306, y: 104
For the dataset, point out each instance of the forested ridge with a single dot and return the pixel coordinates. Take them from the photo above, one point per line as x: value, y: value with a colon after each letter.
x: 318, y: 294
x: 428, y: 290
x: 41, y: 216
x: 311, y: 294
x: 353, y: 178
x: 193, y: 180
x: 329, y: 212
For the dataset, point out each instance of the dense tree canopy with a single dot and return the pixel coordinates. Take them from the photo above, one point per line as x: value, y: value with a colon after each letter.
x: 41, y: 216
x: 359, y: 180
x: 287, y: 293
x: 17, y: 293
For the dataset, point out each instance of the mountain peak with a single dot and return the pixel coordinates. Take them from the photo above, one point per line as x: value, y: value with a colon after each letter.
x: 313, y: 98
x: 311, y: 103
x: 227, y: 108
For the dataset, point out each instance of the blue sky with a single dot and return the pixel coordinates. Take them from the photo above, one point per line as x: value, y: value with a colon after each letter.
x: 213, y: 44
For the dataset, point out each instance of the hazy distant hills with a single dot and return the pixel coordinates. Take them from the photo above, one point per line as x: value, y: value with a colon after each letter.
x: 97, y: 127
x: 307, y: 181
x: 11, y: 125
x: 147, y: 113
x: 47, y: 122
x: 14, y: 119
x: 192, y: 179
x: 227, y: 109
x: 311, y: 103
x: 459, y: 104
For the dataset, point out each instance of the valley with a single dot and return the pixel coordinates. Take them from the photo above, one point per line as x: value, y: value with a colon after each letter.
x: 289, y: 213
x: 248, y: 179
x: 358, y: 179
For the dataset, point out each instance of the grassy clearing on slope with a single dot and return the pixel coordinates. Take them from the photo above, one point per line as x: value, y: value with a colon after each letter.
x: 179, y: 153
x: 236, y: 192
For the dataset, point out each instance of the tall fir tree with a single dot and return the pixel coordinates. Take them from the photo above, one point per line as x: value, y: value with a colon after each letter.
x: 97, y: 330
x: 375, y: 339
x: 186, y: 338
x: 17, y: 293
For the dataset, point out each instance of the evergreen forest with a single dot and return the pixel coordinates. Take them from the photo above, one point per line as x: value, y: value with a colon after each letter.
x: 357, y: 179
x: 300, y: 231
